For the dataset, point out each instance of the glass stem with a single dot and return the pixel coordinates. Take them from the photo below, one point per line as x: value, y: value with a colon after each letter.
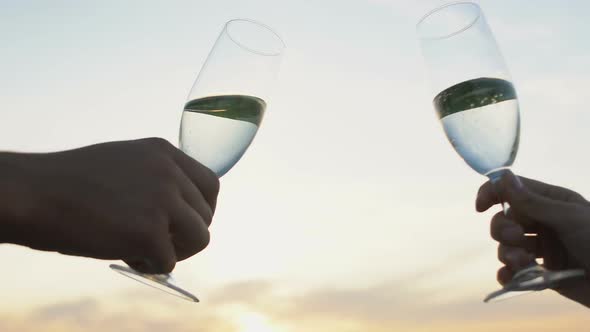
x: 505, y: 208
x: 494, y: 177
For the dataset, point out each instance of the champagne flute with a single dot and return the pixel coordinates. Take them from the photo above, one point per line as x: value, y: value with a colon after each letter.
x: 478, y: 108
x: 224, y: 110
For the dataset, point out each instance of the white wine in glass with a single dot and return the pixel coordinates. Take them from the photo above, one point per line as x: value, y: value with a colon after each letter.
x: 478, y: 107
x: 228, y: 122
x: 481, y: 120
x: 224, y: 110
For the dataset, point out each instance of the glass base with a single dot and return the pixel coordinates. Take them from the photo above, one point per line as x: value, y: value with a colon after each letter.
x: 530, y: 279
x: 162, y: 282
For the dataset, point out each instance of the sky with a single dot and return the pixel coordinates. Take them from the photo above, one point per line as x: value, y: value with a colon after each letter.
x: 349, y: 212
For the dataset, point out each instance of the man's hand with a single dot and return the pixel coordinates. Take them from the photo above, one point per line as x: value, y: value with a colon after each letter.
x: 142, y: 201
x: 558, y: 218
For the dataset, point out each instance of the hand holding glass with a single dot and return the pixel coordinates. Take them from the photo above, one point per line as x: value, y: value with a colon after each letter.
x: 478, y: 108
x: 224, y: 109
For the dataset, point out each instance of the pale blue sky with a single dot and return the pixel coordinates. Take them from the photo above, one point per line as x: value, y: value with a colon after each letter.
x: 350, y: 181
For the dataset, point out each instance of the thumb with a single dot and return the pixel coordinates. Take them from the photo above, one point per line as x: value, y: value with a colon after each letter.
x: 558, y: 215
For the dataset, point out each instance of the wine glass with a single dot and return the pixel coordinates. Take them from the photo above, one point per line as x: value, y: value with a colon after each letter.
x: 477, y: 105
x: 224, y: 109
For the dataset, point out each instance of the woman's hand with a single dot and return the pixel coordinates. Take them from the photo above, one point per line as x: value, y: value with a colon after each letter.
x: 556, y: 222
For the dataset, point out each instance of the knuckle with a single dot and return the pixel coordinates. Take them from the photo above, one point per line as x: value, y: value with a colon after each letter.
x: 503, y: 275
x: 521, y: 201
x: 203, y: 241
x: 215, y: 184
x: 208, y: 217
x: 164, y: 194
x: 573, y: 220
x: 210, y: 181
x: 500, y: 275
x: 502, y: 253
x: 191, y: 238
x: 483, y: 190
x: 576, y: 197
x: 160, y: 223
x: 557, y: 192
x: 203, y: 212
x: 153, y: 216
x: 496, y: 225
x: 164, y: 171
x: 197, y: 243
x: 160, y: 143
x: 498, y: 219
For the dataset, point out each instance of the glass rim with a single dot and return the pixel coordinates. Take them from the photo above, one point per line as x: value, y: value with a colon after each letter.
x: 445, y: 6
x: 261, y: 25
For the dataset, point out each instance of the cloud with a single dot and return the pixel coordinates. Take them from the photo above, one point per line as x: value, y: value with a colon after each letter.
x: 244, y: 291
x: 405, y: 304
x: 79, y: 312
x: 396, y: 304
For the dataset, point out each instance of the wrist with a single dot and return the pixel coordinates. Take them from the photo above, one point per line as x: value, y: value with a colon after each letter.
x: 17, y: 197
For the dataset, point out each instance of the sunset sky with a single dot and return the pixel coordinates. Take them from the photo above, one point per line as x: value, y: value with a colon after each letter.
x: 350, y: 212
